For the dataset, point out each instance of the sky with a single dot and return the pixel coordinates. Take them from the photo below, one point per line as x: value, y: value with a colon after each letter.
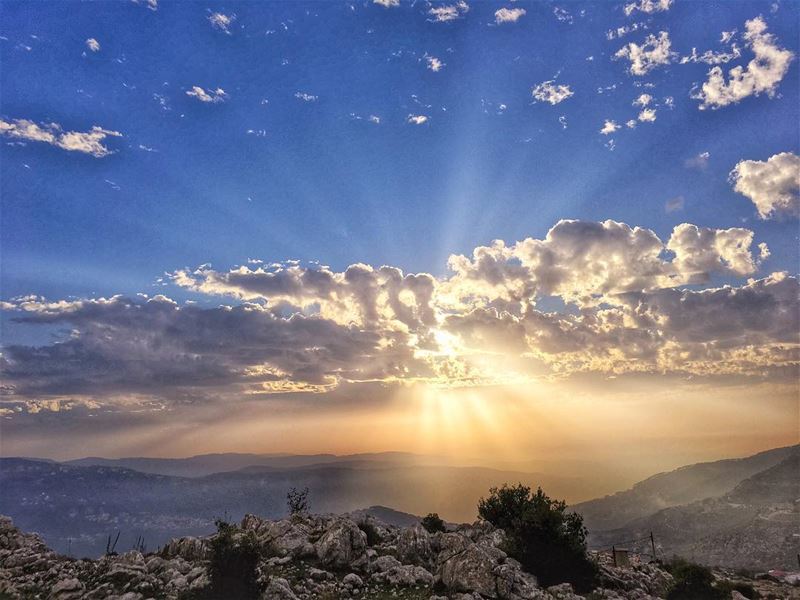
x: 524, y: 230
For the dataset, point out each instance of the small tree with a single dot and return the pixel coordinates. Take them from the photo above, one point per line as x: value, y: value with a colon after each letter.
x: 546, y: 539
x: 234, y: 560
x: 297, y: 501
x: 693, y: 582
x: 433, y: 523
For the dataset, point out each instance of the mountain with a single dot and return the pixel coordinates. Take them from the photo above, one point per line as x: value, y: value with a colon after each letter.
x: 681, y: 486
x: 77, y: 507
x: 206, y: 464
x: 756, y: 525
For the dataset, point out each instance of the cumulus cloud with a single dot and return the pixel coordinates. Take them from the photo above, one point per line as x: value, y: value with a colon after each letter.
x: 609, y: 127
x: 647, y: 6
x: 287, y: 327
x: 93, y: 45
x: 654, y: 52
x: 772, y: 185
x: 305, y: 97
x: 387, y: 3
x: 761, y: 76
x: 151, y: 4
x: 434, y: 64
x: 451, y: 12
x: 548, y: 91
x: 643, y: 100
x: 648, y: 115
x: 89, y: 142
x: 508, y: 15
x: 222, y: 21
x: 211, y: 96
x: 417, y: 119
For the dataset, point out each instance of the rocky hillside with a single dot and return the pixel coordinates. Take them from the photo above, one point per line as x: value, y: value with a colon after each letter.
x: 326, y: 557
x: 682, y: 486
x: 756, y: 525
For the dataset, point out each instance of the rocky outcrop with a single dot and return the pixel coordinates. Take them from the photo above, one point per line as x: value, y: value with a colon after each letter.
x: 316, y: 556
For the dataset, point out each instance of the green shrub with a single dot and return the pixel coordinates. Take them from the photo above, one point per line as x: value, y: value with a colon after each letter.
x: 547, y: 540
x: 692, y: 582
x: 432, y: 523
x: 234, y: 559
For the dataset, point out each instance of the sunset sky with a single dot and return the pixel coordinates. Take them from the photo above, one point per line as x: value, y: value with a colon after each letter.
x: 506, y: 232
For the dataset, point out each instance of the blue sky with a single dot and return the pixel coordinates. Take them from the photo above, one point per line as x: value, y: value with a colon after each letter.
x: 353, y: 132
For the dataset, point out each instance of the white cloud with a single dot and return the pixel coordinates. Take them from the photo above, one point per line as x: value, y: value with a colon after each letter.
x: 624, y: 30
x: 644, y: 58
x: 562, y: 14
x: 151, y: 4
x: 442, y: 14
x: 643, y: 100
x: 631, y: 123
x: 712, y: 58
x: 374, y: 119
x: 761, y: 76
x: 647, y: 6
x: 772, y: 185
x: 306, y: 97
x: 509, y: 15
x: 563, y: 121
x: 89, y: 142
x: 698, y: 162
x: 213, y: 96
x: 609, y: 127
x: 93, y: 45
x: 547, y: 91
x: 387, y: 3
x: 648, y: 115
x: 417, y: 119
x: 434, y: 64
x: 222, y: 21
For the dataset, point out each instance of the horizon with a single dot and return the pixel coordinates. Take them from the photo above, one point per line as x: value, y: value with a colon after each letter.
x: 528, y: 233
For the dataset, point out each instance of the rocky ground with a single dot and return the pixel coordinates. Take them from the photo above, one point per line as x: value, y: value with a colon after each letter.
x: 326, y: 557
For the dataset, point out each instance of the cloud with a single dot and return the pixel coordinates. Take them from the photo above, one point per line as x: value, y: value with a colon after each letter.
x: 211, y: 96
x: 609, y: 127
x: 674, y: 204
x: 647, y: 6
x: 644, y: 58
x: 387, y: 3
x: 221, y: 21
x: 761, y: 76
x: 89, y: 142
x: 772, y: 185
x: 624, y: 30
x: 151, y: 4
x: 417, y: 119
x: 643, y: 100
x: 306, y: 97
x: 648, y: 115
x: 434, y: 64
x: 699, y: 162
x: 445, y: 13
x: 93, y: 45
x: 562, y: 14
x: 508, y: 15
x: 286, y: 327
x: 548, y: 92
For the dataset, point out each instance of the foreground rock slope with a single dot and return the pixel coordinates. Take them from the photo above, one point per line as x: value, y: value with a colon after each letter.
x: 311, y: 556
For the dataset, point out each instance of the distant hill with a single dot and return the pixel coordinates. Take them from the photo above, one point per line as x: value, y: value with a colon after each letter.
x: 755, y: 525
x: 85, y: 504
x: 206, y: 464
x: 681, y: 486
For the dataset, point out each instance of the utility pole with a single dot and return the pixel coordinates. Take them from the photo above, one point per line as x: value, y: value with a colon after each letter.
x: 653, y: 546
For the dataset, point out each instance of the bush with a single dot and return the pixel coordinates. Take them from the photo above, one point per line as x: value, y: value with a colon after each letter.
x: 373, y: 537
x: 297, y: 501
x: 234, y: 559
x: 548, y: 541
x: 692, y: 582
x: 432, y: 523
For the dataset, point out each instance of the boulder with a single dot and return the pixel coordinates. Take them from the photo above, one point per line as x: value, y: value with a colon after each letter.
x: 414, y: 546
x: 342, y: 544
x: 67, y: 589
x: 188, y: 548
x: 278, y: 589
